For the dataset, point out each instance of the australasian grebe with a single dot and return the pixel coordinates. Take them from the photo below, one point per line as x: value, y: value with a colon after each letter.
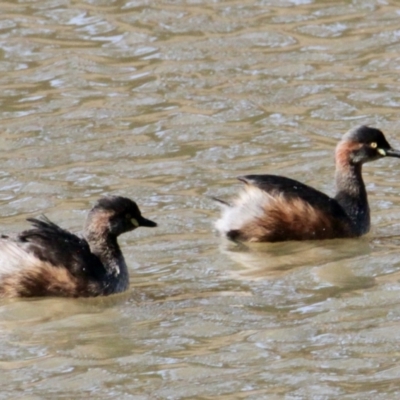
x: 273, y: 208
x: 47, y: 260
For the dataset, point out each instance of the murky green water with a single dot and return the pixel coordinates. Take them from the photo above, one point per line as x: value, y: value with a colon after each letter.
x: 166, y: 102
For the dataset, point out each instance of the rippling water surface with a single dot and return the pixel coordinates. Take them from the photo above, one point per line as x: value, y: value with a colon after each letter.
x: 166, y: 102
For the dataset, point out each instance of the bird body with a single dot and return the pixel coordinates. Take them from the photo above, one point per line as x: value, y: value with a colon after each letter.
x: 47, y: 260
x: 274, y: 208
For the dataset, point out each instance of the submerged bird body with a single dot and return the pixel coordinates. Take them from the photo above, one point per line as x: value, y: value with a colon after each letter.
x: 47, y: 260
x: 274, y: 208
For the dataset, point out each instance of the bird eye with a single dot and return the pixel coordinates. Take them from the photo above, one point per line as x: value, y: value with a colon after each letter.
x: 128, y: 216
x: 374, y: 145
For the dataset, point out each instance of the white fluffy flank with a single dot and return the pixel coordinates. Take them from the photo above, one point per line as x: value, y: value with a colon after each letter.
x: 14, y: 258
x: 249, y: 205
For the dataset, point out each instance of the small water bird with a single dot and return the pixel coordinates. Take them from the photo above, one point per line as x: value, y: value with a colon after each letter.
x: 274, y: 208
x: 47, y: 260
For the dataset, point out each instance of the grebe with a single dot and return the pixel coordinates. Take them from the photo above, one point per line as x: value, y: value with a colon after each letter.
x: 47, y: 260
x: 274, y: 208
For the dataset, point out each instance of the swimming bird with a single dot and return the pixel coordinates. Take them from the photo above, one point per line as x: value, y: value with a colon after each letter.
x: 47, y: 260
x: 274, y: 208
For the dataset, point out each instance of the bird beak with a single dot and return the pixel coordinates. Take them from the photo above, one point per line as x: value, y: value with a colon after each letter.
x: 151, y: 224
x: 389, y: 152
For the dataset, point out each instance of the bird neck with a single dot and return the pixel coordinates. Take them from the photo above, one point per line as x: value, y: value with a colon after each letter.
x: 107, y: 249
x: 352, y: 195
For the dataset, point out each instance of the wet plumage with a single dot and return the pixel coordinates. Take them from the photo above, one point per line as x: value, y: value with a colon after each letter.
x: 47, y: 260
x: 274, y: 208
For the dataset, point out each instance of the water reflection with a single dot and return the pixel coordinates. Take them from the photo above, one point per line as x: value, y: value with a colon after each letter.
x: 273, y: 260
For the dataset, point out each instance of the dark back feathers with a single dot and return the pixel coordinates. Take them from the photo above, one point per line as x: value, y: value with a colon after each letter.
x: 292, y: 189
x: 50, y: 243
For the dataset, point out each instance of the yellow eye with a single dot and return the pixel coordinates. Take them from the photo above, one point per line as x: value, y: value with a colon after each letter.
x: 374, y: 145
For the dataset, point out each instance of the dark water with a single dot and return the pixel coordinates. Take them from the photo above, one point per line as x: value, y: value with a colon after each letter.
x: 166, y: 102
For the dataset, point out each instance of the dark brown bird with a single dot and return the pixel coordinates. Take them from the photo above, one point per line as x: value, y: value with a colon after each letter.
x: 47, y: 260
x: 273, y: 208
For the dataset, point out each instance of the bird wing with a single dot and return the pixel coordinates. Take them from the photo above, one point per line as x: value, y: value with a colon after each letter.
x: 55, y: 245
x: 291, y: 189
